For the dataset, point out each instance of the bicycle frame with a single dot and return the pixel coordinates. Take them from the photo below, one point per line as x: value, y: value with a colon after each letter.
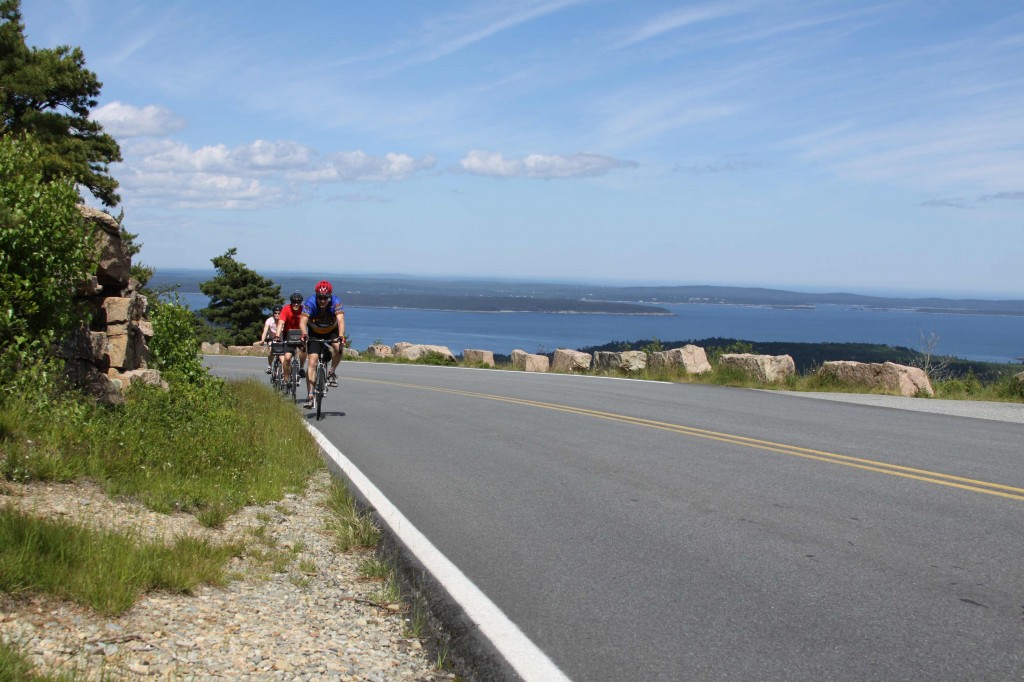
x: 320, y: 380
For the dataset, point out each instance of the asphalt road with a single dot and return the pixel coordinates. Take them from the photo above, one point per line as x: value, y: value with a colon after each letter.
x: 648, y: 531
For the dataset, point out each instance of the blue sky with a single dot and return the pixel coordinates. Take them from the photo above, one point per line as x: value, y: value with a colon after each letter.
x: 873, y: 147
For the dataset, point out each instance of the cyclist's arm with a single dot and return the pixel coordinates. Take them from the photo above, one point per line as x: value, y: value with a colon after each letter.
x: 340, y: 316
x: 263, y: 336
x: 304, y: 324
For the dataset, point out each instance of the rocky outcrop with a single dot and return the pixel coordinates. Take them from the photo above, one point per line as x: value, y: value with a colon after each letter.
x: 529, y: 362
x: 690, y: 358
x: 207, y: 348
x: 478, y: 357
x: 566, y: 360
x: 116, y: 342
x: 628, y: 361
x: 379, y: 350
x: 888, y: 376
x: 767, y: 368
x: 419, y: 350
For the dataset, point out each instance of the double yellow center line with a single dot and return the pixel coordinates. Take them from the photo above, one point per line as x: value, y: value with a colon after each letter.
x: 924, y: 475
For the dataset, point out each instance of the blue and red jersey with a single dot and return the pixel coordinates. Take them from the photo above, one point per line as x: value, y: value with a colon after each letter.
x: 322, y: 319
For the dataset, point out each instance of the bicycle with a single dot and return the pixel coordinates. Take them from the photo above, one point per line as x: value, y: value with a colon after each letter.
x: 277, y: 379
x: 294, y: 342
x: 320, y: 378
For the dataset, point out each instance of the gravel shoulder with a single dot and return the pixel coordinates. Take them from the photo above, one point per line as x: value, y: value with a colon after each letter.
x: 302, y: 623
x: 975, y: 409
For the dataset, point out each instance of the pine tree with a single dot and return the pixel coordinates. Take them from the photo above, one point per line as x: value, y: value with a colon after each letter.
x: 48, y: 93
x: 240, y: 299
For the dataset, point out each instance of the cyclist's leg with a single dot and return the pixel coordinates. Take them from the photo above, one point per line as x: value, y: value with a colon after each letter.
x: 313, y: 359
x: 332, y: 378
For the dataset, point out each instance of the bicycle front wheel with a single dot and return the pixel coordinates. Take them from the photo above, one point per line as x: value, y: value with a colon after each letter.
x: 321, y: 388
x: 276, y: 374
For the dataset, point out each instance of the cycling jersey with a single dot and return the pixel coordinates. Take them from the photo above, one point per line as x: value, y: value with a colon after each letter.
x: 289, y: 320
x: 322, y: 320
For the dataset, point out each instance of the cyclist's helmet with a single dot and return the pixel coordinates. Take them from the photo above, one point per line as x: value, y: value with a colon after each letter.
x: 296, y: 297
x: 324, y: 288
x: 277, y: 309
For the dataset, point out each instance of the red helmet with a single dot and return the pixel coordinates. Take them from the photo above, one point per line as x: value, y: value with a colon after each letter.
x: 324, y: 288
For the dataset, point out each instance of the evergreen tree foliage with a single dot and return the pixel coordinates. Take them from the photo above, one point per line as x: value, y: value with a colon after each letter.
x: 240, y: 299
x: 49, y: 93
x: 46, y: 248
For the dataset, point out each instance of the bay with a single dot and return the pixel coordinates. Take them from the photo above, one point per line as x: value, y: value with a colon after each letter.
x: 986, y: 338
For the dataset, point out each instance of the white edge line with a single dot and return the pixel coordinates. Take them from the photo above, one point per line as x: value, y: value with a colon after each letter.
x: 518, y: 650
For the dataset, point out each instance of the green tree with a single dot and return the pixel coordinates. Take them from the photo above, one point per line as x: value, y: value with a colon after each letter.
x: 46, y: 248
x: 239, y: 298
x: 49, y: 93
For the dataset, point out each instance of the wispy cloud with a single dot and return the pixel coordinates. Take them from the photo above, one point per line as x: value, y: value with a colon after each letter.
x: 682, y: 18
x: 494, y: 164
x: 1004, y: 196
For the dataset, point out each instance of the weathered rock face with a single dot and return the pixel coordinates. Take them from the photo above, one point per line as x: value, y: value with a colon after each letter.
x: 113, y: 264
x: 477, y: 357
x: 399, y: 347
x: 767, y: 368
x: 379, y: 350
x: 350, y: 353
x: 529, y: 362
x: 627, y: 361
x: 417, y: 351
x: 117, y: 340
x: 888, y: 376
x: 567, y: 360
x: 692, y: 359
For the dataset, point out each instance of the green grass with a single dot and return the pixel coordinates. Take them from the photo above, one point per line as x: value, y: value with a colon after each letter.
x: 207, y: 450
x: 104, y: 570
x: 351, y: 528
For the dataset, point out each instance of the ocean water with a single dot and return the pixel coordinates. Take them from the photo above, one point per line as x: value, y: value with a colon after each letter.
x: 971, y: 337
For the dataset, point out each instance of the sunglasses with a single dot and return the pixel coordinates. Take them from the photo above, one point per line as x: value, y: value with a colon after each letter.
x: 322, y: 298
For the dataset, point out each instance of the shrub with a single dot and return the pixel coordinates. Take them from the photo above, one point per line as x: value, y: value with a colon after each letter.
x: 47, y: 250
x: 175, y: 346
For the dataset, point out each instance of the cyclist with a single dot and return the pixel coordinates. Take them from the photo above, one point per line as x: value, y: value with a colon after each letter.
x: 322, y: 318
x: 270, y: 333
x: 290, y: 315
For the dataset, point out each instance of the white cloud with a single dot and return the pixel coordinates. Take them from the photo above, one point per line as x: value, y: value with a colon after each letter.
x: 257, y: 174
x: 127, y: 121
x: 582, y: 164
x: 358, y: 166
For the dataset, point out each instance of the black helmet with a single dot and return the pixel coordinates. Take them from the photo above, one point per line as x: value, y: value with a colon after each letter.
x: 296, y: 297
x: 277, y: 308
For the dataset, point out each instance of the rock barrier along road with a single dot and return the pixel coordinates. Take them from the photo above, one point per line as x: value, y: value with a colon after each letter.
x: 642, y: 530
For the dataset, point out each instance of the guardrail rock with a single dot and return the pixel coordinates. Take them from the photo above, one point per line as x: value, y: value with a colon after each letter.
x: 768, y: 368
x: 889, y: 376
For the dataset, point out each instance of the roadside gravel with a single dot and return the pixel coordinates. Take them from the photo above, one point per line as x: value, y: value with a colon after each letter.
x: 976, y: 409
x: 311, y: 620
